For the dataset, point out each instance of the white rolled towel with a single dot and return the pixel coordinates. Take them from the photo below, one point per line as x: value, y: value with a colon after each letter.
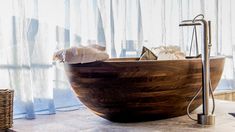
x: 168, y: 53
x: 75, y: 55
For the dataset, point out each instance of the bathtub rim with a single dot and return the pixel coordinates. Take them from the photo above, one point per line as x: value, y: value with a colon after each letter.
x: 136, y: 60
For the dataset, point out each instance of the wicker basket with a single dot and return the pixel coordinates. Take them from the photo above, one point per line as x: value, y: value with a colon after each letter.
x: 6, y: 108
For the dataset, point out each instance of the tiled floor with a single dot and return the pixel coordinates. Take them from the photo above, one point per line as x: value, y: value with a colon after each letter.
x: 85, y: 120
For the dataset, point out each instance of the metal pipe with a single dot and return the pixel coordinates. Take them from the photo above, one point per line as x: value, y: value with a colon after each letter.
x: 206, y: 69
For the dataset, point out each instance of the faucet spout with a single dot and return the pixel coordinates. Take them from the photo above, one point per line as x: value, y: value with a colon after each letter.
x: 189, y: 23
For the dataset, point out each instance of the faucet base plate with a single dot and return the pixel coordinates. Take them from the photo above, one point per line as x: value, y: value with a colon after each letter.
x: 205, y: 119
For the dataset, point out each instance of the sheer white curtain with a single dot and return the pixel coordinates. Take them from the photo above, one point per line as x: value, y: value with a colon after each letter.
x: 155, y: 22
x: 31, y: 30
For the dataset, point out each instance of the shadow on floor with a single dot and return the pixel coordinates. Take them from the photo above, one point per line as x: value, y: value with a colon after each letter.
x: 232, y: 114
x: 6, y: 130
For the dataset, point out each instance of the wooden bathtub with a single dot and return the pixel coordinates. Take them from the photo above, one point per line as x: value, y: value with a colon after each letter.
x: 128, y: 90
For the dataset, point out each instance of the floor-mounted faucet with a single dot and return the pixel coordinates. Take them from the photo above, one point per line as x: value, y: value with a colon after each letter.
x: 205, y: 118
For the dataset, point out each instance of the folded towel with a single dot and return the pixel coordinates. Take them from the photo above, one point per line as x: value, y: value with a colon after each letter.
x: 75, y: 55
x: 168, y: 53
x: 162, y: 53
x: 147, y: 54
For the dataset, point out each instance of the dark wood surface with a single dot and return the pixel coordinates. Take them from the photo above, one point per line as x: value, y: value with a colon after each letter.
x: 127, y: 90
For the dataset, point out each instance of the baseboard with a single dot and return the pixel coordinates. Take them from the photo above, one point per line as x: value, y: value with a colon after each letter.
x: 228, y: 95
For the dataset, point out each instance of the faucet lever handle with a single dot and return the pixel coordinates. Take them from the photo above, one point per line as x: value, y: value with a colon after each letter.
x: 209, y: 27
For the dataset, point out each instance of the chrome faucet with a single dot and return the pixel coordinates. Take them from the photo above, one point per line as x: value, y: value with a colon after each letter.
x: 205, y: 118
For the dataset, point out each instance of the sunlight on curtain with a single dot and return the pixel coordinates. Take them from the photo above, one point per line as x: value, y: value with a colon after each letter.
x: 31, y: 30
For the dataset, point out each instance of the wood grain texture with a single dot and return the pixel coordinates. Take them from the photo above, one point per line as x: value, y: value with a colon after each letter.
x: 127, y: 90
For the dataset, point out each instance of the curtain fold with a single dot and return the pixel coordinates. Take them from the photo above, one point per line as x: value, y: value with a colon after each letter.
x: 31, y: 30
